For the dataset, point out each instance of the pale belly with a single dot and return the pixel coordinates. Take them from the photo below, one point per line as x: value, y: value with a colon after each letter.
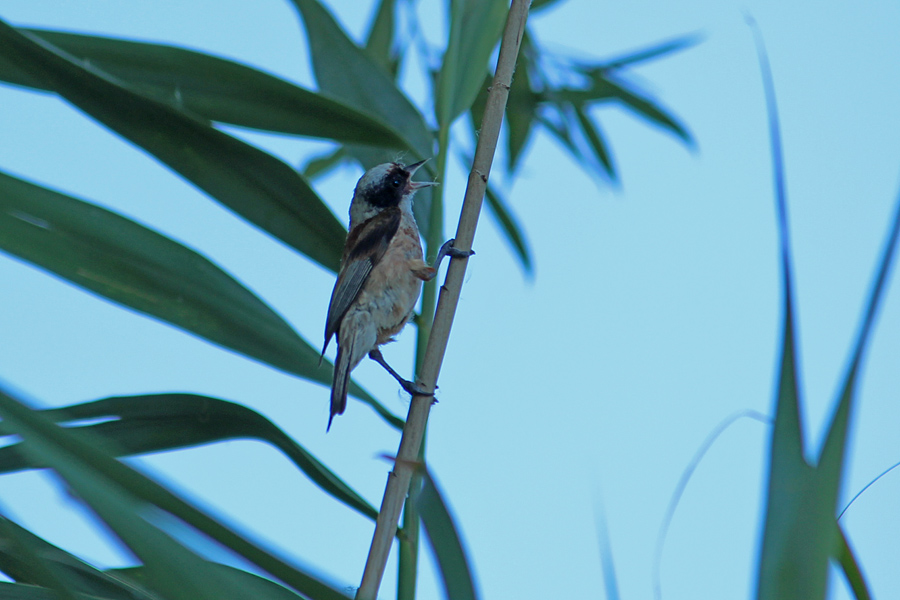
x: 392, y: 289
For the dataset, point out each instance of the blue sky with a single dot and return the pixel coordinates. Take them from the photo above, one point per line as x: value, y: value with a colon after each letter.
x: 654, y: 313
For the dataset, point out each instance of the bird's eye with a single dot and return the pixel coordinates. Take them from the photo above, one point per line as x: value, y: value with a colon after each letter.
x: 395, y: 182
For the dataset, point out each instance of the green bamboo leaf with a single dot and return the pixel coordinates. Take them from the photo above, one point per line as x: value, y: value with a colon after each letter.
x: 174, y: 571
x: 831, y: 459
x: 476, y: 111
x: 792, y: 564
x: 656, y: 51
x: 320, y: 165
x: 595, y: 142
x: 254, y: 585
x: 78, y: 577
x: 564, y: 128
x: 213, y: 88
x: 158, y: 422
x: 21, y: 591
x: 650, y: 110
x: 138, y: 268
x: 380, y: 42
x: 604, y: 88
x: 850, y: 566
x: 28, y: 563
x: 799, y: 534
x: 475, y: 28
x: 510, y: 229
x: 350, y: 74
x: 129, y: 503
x: 521, y: 109
x: 443, y: 537
x: 537, y: 5
x: 255, y: 185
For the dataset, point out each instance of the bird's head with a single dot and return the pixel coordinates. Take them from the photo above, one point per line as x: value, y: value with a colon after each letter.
x: 384, y: 186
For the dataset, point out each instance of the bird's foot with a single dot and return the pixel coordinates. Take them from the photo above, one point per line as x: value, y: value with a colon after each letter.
x: 408, y: 386
x: 414, y: 389
x: 449, y: 250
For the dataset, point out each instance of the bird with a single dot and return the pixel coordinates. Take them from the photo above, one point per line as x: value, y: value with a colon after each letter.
x: 381, y: 275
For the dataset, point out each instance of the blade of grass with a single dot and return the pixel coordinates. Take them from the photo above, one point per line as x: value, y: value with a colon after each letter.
x: 380, y: 41
x: 78, y: 576
x: 350, y: 74
x: 655, y: 51
x: 790, y: 566
x: 255, y: 185
x: 475, y: 27
x: 607, y: 565
x: 125, y: 499
x: 682, y: 484
x: 174, y: 571
x: 511, y: 230
x: 254, y: 585
x: 850, y: 568
x: 213, y: 88
x: 800, y: 534
x: 136, y: 425
x: 28, y: 562
x: 521, y: 110
x: 443, y: 537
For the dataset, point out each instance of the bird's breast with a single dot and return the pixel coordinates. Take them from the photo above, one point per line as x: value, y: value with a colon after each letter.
x: 392, y: 289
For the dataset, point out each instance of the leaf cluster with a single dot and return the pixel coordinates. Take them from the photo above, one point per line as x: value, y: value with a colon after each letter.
x: 169, y: 101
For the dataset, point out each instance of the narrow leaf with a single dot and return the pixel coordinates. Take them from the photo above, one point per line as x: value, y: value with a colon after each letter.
x: 213, y: 88
x: 254, y: 585
x: 604, y: 87
x: 158, y: 422
x: 21, y: 591
x: 79, y: 577
x: 651, y: 111
x: 645, y: 54
x: 122, y: 497
x: 347, y: 72
x: 595, y: 142
x: 380, y: 43
x: 175, y: 572
x: 510, y: 229
x: 475, y: 28
x: 798, y: 535
x: 320, y: 165
x: 443, y: 538
x: 255, y: 185
x: 136, y: 267
x: 607, y: 564
x: 28, y: 562
x: 850, y: 567
x: 831, y: 461
x: 521, y: 109
x: 566, y: 128
x: 537, y: 5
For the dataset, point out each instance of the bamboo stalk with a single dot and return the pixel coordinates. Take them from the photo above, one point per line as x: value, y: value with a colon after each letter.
x: 399, y: 478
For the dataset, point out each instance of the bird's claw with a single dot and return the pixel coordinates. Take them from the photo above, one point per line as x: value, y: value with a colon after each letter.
x: 414, y: 389
x: 449, y: 250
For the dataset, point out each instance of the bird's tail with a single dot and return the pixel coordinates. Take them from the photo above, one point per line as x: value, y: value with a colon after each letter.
x: 340, y: 383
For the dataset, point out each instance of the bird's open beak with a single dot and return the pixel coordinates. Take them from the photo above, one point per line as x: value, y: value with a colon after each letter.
x: 416, y: 185
x: 411, y: 169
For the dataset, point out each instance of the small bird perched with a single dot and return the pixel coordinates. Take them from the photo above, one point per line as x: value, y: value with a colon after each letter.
x: 381, y: 274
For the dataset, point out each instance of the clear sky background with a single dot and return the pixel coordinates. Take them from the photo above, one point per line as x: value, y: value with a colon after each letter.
x: 654, y: 313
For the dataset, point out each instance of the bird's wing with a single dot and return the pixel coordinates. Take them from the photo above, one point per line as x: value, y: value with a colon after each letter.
x: 365, y: 247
